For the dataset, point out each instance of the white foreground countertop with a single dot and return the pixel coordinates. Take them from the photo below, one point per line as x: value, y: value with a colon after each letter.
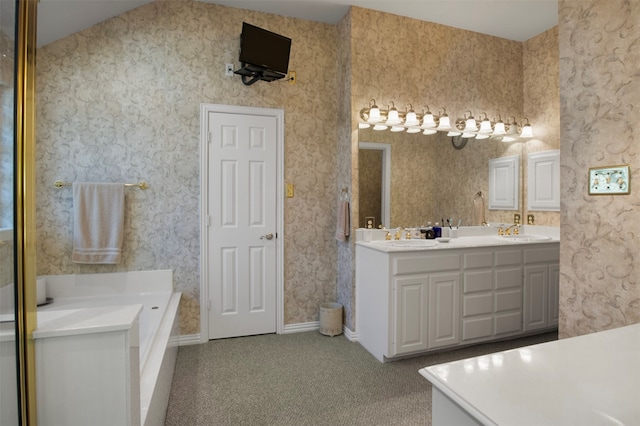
x: 587, y: 380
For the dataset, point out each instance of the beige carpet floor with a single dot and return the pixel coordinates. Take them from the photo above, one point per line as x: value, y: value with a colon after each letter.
x: 305, y: 379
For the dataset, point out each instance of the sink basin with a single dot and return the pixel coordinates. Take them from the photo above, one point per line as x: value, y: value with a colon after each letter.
x: 410, y: 243
x: 522, y: 238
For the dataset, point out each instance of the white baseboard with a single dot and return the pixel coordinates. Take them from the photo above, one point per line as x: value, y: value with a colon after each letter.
x: 301, y: 327
x: 194, y: 339
x: 189, y: 339
x: 351, y: 336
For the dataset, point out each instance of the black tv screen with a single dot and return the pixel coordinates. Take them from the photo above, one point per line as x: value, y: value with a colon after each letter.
x: 264, y: 49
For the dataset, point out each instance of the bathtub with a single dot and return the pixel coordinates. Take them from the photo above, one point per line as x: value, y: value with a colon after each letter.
x: 140, y: 304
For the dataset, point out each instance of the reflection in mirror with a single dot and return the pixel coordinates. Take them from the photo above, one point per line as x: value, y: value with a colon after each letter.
x: 430, y: 179
x: 374, y: 166
x: 9, y: 414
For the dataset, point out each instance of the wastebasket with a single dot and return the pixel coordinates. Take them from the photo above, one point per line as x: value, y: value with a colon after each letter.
x: 330, y: 319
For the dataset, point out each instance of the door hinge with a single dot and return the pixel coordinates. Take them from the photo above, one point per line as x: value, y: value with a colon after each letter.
x: 208, y: 220
x: 209, y: 137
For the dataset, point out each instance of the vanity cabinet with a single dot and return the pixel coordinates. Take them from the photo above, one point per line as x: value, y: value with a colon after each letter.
x: 415, y: 301
x: 541, y: 287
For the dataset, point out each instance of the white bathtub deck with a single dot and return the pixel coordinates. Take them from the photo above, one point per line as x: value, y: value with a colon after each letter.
x: 138, y: 306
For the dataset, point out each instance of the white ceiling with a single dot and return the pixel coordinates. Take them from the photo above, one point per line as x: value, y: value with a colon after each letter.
x: 511, y: 19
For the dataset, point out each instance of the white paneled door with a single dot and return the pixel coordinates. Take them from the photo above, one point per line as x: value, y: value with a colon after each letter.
x: 242, y: 223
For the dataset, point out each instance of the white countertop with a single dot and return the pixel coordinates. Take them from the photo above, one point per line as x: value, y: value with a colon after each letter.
x: 67, y: 322
x: 587, y: 380
x: 457, y: 243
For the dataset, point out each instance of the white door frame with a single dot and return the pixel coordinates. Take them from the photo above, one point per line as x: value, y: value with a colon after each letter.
x: 278, y: 114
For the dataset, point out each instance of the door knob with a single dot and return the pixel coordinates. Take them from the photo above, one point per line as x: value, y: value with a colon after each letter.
x: 269, y: 236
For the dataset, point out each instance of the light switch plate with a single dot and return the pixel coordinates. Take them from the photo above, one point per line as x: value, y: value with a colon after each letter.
x: 289, y: 190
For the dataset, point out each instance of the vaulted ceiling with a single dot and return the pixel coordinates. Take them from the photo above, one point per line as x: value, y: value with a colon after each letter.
x: 511, y: 19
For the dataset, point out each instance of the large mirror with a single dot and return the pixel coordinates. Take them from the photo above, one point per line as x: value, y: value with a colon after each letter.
x: 430, y: 178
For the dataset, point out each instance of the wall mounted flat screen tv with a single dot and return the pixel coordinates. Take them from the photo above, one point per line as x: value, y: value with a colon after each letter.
x: 264, y: 49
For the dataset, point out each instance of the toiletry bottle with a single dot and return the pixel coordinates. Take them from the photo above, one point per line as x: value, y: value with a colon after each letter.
x: 430, y: 235
x: 437, y: 231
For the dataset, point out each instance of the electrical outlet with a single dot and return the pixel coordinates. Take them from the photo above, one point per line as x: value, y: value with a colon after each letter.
x: 516, y: 218
x: 228, y: 69
x: 291, y: 77
x: 289, y: 190
x: 530, y: 219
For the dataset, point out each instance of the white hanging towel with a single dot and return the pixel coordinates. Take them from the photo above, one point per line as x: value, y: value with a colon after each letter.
x: 98, y: 222
x: 343, y: 225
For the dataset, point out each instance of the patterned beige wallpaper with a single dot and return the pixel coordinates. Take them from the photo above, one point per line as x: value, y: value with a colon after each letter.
x: 347, y: 144
x: 120, y: 102
x: 599, y: 92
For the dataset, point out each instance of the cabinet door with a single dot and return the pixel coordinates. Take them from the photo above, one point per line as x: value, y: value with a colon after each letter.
x: 444, y: 310
x: 536, y: 298
x: 554, y: 296
x: 410, y: 314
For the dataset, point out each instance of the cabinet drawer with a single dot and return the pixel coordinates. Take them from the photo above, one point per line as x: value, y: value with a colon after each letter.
x: 508, y: 278
x: 425, y: 263
x: 546, y: 254
x: 508, y: 257
x: 508, y: 300
x: 477, y: 328
x: 478, y: 281
x: 477, y: 304
x: 508, y: 323
x: 482, y: 259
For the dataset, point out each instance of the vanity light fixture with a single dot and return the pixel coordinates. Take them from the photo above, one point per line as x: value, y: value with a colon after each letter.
x: 374, y: 113
x: 443, y: 121
x: 527, y: 130
x: 470, y: 124
x: 485, y: 125
x: 467, y: 127
x: 393, y: 116
x: 428, y: 121
x: 411, y: 118
x: 499, y: 129
x: 512, y: 131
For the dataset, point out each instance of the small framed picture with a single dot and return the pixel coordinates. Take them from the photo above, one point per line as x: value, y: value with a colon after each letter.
x: 611, y: 180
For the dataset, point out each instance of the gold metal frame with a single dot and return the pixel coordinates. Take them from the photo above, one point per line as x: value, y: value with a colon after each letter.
x: 25, y: 206
x: 621, y: 185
